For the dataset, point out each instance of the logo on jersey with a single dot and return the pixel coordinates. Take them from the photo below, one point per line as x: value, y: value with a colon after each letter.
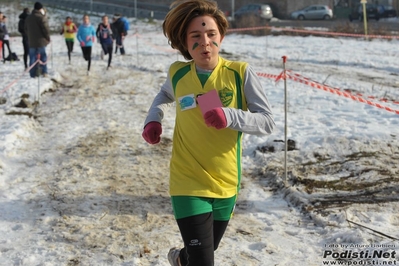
x: 226, y: 96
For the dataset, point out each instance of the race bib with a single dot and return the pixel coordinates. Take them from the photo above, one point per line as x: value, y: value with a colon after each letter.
x: 187, y: 102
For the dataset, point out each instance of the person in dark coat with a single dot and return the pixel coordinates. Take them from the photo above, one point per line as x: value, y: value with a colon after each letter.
x: 2, y: 34
x: 37, y: 30
x: 21, y: 29
x: 118, y: 28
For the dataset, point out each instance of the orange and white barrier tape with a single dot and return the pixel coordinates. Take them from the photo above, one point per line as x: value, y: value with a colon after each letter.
x: 38, y: 61
x: 346, y: 91
x: 314, y: 84
x: 272, y: 76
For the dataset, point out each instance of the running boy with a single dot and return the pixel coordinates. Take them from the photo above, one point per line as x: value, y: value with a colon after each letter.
x: 205, y: 167
x: 105, y: 35
x: 86, y: 37
x: 69, y: 30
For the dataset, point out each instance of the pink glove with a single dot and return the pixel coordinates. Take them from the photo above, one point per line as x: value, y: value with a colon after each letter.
x: 82, y: 43
x: 152, y: 132
x: 215, y: 118
x: 93, y: 39
x: 88, y: 38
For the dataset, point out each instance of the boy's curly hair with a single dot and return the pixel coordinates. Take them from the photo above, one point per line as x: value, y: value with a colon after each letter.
x: 182, y: 13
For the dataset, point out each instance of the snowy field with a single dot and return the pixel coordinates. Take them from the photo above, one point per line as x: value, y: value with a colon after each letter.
x: 79, y: 185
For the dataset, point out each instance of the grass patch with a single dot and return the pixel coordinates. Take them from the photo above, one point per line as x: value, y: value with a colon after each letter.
x: 343, y: 184
x: 27, y: 113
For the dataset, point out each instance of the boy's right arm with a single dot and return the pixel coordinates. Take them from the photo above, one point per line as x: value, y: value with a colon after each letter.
x: 153, y: 123
x: 162, y: 101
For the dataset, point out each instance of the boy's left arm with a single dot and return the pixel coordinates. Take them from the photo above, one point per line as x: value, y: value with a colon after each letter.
x: 258, y: 120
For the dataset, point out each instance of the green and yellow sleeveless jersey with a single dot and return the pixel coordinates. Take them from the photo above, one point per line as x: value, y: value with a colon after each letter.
x: 69, y: 35
x: 205, y: 162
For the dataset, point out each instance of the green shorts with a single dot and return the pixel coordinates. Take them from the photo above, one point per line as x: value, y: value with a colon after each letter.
x: 186, y: 206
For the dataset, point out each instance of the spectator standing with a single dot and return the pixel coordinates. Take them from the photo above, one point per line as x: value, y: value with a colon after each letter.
x: 105, y: 35
x: 37, y: 30
x: 1, y: 35
x: 21, y: 29
x: 118, y: 27
x: 86, y: 37
x: 6, y: 38
x: 126, y: 25
x: 69, y: 30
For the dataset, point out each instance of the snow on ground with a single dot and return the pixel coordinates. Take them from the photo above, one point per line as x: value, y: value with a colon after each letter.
x: 79, y: 186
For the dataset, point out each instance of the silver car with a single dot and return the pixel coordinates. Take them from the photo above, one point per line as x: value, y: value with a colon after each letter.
x: 313, y: 12
x: 259, y: 10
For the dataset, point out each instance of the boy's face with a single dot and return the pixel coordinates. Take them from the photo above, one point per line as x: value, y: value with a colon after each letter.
x: 86, y: 20
x: 105, y: 20
x: 203, y: 41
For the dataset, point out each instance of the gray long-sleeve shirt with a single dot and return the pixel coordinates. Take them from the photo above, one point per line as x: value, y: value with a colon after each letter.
x: 258, y: 120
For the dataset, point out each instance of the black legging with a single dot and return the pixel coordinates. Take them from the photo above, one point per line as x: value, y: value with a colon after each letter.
x: 6, y: 42
x: 108, y: 48
x: 25, y: 43
x: 201, y: 236
x: 87, y: 55
x: 119, y: 44
x: 69, y: 44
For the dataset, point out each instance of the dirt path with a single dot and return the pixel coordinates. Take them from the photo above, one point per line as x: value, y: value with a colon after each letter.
x: 100, y: 188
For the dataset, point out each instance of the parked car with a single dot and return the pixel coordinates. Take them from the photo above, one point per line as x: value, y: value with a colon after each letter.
x: 313, y: 12
x: 259, y: 10
x: 386, y: 11
x: 371, y: 12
